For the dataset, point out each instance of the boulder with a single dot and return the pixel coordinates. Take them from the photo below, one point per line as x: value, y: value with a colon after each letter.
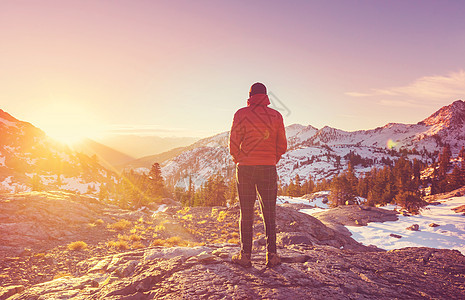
x: 290, y: 238
x: 414, y: 227
x: 459, y: 209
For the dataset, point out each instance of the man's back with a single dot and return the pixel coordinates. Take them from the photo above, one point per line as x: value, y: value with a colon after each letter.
x: 257, y: 135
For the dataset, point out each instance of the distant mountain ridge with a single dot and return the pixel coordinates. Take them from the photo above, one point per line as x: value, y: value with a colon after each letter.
x: 142, y: 146
x: 107, y: 156
x: 445, y: 124
x: 314, y: 152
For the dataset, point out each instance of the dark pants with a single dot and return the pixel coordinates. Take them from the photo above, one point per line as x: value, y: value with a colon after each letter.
x: 250, y: 180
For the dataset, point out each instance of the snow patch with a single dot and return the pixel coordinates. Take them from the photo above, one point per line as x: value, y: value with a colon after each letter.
x: 9, y: 186
x: 449, y: 235
x: 8, y: 123
x: 317, y: 200
x: 76, y: 184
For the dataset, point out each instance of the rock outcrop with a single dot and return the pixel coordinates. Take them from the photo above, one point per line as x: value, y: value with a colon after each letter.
x: 46, y: 219
x: 437, y: 197
x: 354, y: 215
x: 205, y: 272
x: 319, y: 261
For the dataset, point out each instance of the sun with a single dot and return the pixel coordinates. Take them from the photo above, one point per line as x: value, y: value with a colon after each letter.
x: 69, y: 123
x: 66, y: 134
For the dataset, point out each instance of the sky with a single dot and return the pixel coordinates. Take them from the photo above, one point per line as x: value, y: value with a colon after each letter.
x: 182, y: 68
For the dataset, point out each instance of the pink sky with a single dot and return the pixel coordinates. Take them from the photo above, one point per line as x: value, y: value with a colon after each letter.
x: 184, y: 67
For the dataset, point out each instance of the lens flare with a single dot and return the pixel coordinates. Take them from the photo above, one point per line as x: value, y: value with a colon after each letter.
x: 391, y: 144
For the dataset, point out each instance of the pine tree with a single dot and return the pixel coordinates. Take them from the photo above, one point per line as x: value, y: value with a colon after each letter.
x: 103, y: 193
x: 190, y: 192
x: 212, y: 193
x: 290, y: 191
x: 462, y: 153
x: 221, y: 191
x: 363, y: 185
x: 308, y: 186
x: 454, y: 179
x: 342, y: 190
x: 295, y: 189
x: 462, y: 171
x: 444, y: 161
x: 403, y: 175
x: 409, y: 200
x: 232, y: 192
x: 156, y: 185
x: 416, y: 171
x: 381, y: 186
x: 352, y: 180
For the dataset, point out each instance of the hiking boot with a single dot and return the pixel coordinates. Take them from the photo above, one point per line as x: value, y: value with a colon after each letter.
x: 242, y: 259
x: 272, y: 260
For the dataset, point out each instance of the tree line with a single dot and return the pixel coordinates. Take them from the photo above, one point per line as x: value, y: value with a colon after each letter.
x: 132, y: 189
x: 398, y: 182
x: 215, y: 191
x: 401, y: 182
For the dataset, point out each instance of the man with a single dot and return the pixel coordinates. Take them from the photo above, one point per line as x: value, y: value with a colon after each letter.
x: 256, y: 143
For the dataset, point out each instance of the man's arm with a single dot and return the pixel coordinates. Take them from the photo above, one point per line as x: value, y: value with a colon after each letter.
x: 235, y: 137
x: 281, y: 142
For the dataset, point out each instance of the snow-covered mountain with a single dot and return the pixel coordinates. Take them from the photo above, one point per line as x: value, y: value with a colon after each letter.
x: 31, y: 160
x: 322, y: 153
x: 447, y: 125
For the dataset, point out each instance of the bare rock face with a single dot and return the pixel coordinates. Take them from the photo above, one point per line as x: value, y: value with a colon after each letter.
x: 48, y: 218
x: 354, y: 215
x: 320, y: 272
x: 35, y: 218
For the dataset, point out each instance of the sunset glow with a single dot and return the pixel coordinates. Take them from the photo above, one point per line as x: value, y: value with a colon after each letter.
x: 188, y: 65
x: 68, y: 123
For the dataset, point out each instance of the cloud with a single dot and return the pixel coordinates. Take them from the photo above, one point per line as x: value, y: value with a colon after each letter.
x: 399, y: 103
x: 429, y: 88
x: 357, y: 94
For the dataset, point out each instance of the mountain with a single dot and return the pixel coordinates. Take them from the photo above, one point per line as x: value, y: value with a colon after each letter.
x: 108, y: 157
x: 30, y: 160
x: 447, y: 125
x: 141, y: 146
x: 146, y: 161
x: 322, y: 153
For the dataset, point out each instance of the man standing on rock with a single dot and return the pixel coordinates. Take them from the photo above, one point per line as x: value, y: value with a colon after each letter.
x: 256, y: 143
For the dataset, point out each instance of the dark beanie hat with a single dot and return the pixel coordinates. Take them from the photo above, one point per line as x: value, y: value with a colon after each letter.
x: 257, y: 88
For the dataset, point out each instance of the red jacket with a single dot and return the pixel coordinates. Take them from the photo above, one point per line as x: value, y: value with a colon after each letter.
x: 257, y: 135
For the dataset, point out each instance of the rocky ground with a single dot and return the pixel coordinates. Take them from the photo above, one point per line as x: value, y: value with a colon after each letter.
x: 437, y: 197
x: 63, y: 246
x: 354, y: 215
